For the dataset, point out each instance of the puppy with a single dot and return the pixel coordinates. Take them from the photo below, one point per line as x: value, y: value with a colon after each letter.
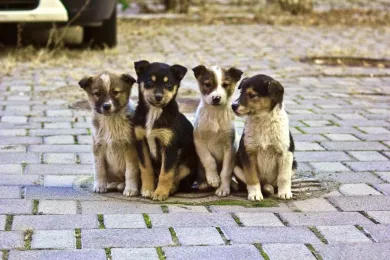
x: 265, y: 156
x: 214, y: 130
x: 116, y: 161
x: 164, y: 136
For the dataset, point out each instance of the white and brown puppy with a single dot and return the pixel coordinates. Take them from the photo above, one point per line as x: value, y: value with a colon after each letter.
x: 214, y: 130
x: 265, y: 159
x: 116, y: 160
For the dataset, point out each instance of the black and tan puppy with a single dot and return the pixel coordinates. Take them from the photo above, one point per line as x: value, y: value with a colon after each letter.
x: 165, y: 142
x: 265, y: 158
x: 116, y: 160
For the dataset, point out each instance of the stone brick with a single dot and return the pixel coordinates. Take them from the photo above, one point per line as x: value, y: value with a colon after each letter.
x: 198, y: 236
x: 324, y: 218
x: 384, y: 188
x: 64, y: 112
x: 357, y: 189
x: 12, y: 148
x: 384, y: 175
x: 65, y: 158
x: 124, y: 221
x: 349, y: 177
x: 55, y: 222
x: 84, y: 139
x: 51, y: 169
x: 12, y: 140
x: 12, y: 132
x: 116, y: 207
x: 351, y: 116
x: 288, y: 251
x: 60, y: 180
x: 8, y: 179
x: 58, y: 125
x: 14, y: 119
x: 79, y: 254
x: 10, y: 192
x: 368, y: 156
x: 322, y: 156
x: 318, y: 122
x: 59, y: 193
x: 233, y: 209
x: 369, y: 166
x: 10, y: 169
x: 342, y: 234
x: 134, y: 254
x: 46, y: 239
x: 2, y: 222
x: 57, y: 131
x: 307, y: 146
x: 192, y: 220
x: 61, y: 207
x: 354, y: 146
x: 103, y: 238
x: 212, y: 252
x: 60, y: 148
x: 355, y: 251
x: 11, y: 239
x: 184, y: 209
x: 8, y: 158
x: 380, y: 233
x: 374, y: 130
x: 314, y: 205
x: 361, y: 203
x: 48, y: 119
x: 374, y: 137
x: 15, y: 206
x: 250, y: 235
x: 328, y: 167
x: 330, y: 130
x: 309, y: 137
x: 342, y: 137
x: 259, y: 219
x: 382, y: 217
x: 86, y: 158
x: 59, y: 139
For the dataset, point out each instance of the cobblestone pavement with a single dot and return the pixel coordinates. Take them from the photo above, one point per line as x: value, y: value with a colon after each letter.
x: 339, y: 119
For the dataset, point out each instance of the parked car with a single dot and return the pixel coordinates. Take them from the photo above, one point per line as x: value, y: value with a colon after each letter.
x: 97, y: 17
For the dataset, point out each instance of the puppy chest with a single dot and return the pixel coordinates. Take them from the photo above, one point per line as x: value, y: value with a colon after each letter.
x: 158, y: 139
x: 115, y: 158
x: 267, y: 163
x: 219, y: 143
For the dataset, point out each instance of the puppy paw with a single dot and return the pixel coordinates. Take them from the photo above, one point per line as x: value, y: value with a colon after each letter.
x: 285, y: 194
x: 100, y: 187
x: 223, y: 191
x: 160, y: 194
x: 121, y: 187
x: 214, y: 180
x: 146, y: 193
x: 130, y: 193
x: 255, y: 196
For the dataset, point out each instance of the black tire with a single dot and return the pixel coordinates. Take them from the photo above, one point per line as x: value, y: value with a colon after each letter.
x: 101, y: 36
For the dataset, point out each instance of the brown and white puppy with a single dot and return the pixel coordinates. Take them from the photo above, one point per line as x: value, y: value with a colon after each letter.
x: 214, y: 129
x: 265, y: 158
x: 116, y: 160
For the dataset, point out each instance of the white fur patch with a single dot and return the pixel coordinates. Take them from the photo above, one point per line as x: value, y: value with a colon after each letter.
x: 106, y: 80
x: 154, y: 114
x: 219, y: 90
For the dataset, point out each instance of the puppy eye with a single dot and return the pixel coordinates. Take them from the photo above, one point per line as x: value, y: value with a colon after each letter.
x: 251, y: 95
x: 97, y: 94
x: 207, y: 84
x: 225, y: 85
x: 169, y: 86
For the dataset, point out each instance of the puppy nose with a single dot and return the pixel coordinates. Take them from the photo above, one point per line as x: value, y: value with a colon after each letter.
x: 216, y: 99
x: 158, y: 97
x: 106, y: 107
x: 235, y: 106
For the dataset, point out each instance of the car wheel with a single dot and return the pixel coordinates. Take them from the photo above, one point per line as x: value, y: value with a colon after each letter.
x: 104, y: 35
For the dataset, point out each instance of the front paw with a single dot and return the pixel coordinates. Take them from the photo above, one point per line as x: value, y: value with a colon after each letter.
x: 146, y: 193
x: 213, y: 180
x: 223, y: 191
x: 160, y: 194
x: 100, y: 187
x: 285, y: 194
x: 130, y: 192
x: 255, y: 196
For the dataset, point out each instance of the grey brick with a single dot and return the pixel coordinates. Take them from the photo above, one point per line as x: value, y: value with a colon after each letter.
x: 12, y: 148
x: 60, y: 148
x: 250, y: 235
x: 10, y: 192
x: 10, y: 168
x: 39, y: 192
x: 192, y: 220
x: 59, y: 139
x: 330, y: 130
x: 384, y: 188
x: 213, y: 252
x: 18, y: 126
x: 374, y: 137
x: 61, y: 180
x: 349, y: 177
x: 103, y: 238
x: 380, y: 233
x: 322, y: 156
x: 354, y: 146
x: 358, y: 189
x: 328, y: 167
x: 368, y: 156
x: 14, y: 119
x: 86, y: 158
x: 2, y: 222
x: 369, y: 166
x: 58, y: 131
x: 9, y: 140
x: 8, y: 158
x: 62, y: 207
x: 57, y: 125
x: 53, y: 239
x: 116, y: 207
x: 124, y: 221
x: 198, y: 236
x: 351, y: 116
x: 288, y: 251
x: 384, y: 175
x: 318, y: 122
x: 63, y: 112
x: 361, y: 203
x: 232, y: 209
x: 48, y: 119
x: 84, y: 139
x: 61, y: 158
x: 134, y: 254
x: 15, y: 206
x: 8, y: 179
x: 55, y: 222
x: 314, y: 205
x: 355, y: 251
x: 183, y: 209
x: 95, y: 254
x: 375, y: 130
x: 12, y: 132
x: 309, y: 137
x: 11, y: 239
x: 324, y: 218
x: 308, y: 146
x: 258, y: 219
x: 342, y: 137
x: 342, y: 234
x: 382, y: 217
x: 52, y: 169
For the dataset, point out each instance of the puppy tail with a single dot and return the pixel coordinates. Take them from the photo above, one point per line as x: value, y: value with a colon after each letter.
x: 239, y: 174
x: 268, y: 190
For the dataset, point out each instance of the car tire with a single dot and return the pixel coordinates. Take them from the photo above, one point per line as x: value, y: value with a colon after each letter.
x: 102, y: 36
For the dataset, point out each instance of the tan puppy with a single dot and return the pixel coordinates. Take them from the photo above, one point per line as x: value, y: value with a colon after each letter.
x: 116, y: 161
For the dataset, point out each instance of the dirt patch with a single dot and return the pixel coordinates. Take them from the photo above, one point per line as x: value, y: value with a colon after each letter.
x: 347, y: 61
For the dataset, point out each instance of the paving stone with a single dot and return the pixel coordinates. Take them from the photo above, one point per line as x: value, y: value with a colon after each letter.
x: 2, y: 222
x: 307, y: 146
x: 342, y: 234
x: 9, y: 179
x: 288, y: 251
x: 342, y: 137
x: 199, y: 236
x: 60, y: 148
x: 353, y: 146
x: 329, y: 167
x: 66, y: 158
x: 349, y: 177
x: 324, y: 218
x: 14, y: 119
x: 368, y: 156
x: 361, y: 203
x: 10, y: 192
x: 59, y: 193
x: 12, y: 149
x: 384, y: 188
x: 351, y: 116
x: 61, y: 207
x: 318, y: 122
x: 12, y: 132
x: 59, y: 139
x: 84, y: 139
x: 48, y: 119
x: 382, y: 217
x: 192, y: 220
x: 233, y: 209
x: 314, y: 205
x: 309, y: 137
x: 16, y: 140
x: 380, y: 233
x: 56, y: 239
x: 384, y: 175
x: 86, y: 158
x: 369, y: 166
x: 104, y: 238
x: 374, y: 137
x: 184, y: 208
x: 15, y: 206
x: 251, y: 235
x: 134, y: 254
x: 357, y: 189
x: 322, y: 156
x: 60, y: 180
x: 116, y: 207
x: 79, y: 254
x: 51, y: 169
x: 355, y: 251
x: 54, y: 222
x: 330, y: 130
x: 11, y: 239
x: 212, y: 252
x: 258, y: 219
x: 57, y: 125
x: 374, y: 130
x: 11, y: 168
x: 124, y: 221
x: 9, y: 158
x: 64, y: 112
x: 57, y: 131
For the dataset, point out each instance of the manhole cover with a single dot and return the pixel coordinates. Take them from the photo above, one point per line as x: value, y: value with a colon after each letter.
x: 347, y: 61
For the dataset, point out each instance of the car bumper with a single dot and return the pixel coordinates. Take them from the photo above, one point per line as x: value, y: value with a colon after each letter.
x: 47, y: 11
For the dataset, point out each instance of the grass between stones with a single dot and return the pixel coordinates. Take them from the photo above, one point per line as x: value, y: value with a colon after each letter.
x: 261, y: 250
x: 8, y: 222
x: 237, y: 219
x: 164, y: 208
x: 318, y: 234
x: 27, y: 239
x: 108, y: 253
x: 175, y: 239
x: 160, y: 253
x: 314, y: 251
x: 77, y: 234
x: 147, y: 220
x: 101, y: 221
x: 5, y: 254
x: 224, y: 238
x: 35, y: 207
x: 245, y: 203
x: 365, y: 233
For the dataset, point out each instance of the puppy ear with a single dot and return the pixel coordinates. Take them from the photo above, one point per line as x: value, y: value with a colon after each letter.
x: 199, y: 71
x: 242, y: 81
x: 179, y: 71
x: 85, y: 82
x: 275, y: 88
x: 234, y: 73
x: 141, y: 66
x: 127, y: 78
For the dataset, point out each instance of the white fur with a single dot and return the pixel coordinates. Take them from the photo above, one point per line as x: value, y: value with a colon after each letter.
x: 254, y: 192
x: 106, y: 80
x: 219, y: 90
x: 154, y: 114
